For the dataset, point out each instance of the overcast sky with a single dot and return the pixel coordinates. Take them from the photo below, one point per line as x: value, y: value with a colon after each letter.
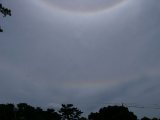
x: 86, y: 53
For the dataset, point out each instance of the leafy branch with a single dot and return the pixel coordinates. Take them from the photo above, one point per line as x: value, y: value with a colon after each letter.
x: 4, y: 11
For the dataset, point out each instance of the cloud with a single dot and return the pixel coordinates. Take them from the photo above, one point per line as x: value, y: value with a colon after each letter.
x: 50, y: 57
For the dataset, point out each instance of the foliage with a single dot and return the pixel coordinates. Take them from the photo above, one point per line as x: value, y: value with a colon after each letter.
x: 146, y: 118
x: 4, y: 11
x: 113, y: 113
x: 23, y: 111
x: 7, y: 112
x: 69, y: 112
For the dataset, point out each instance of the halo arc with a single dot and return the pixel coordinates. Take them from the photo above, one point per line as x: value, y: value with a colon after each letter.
x: 80, y: 6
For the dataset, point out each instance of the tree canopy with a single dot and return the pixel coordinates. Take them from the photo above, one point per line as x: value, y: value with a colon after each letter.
x: 23, y: 111
x: 69, y: 112
x: 113, y: 113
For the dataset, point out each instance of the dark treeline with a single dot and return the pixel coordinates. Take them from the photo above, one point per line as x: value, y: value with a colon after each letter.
x: 23, y: 111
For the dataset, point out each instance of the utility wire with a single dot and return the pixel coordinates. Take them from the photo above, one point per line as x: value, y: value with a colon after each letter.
x: 137, y: 106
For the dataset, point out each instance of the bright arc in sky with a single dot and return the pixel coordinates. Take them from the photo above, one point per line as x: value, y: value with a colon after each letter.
x: 83, y: 5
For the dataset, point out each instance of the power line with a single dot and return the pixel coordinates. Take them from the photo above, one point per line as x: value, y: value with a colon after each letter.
x: 137, y: 106
x: 143, y: 106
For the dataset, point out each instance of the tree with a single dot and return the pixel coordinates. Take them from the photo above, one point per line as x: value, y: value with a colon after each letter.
x: 69, y: 112
x: 113, y: 113
x: 25, y: 111
x: 52, y: 115
x: 154, y: 118
x: 7, y: 112
x: 145, y: 118
x: 4, y: 11
x: 83, y: 118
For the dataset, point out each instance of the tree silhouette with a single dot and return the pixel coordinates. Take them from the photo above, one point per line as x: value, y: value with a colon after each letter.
x: 7, y: 112
x: 145, y: 118
x: 83, y: 118
x: 154, y: 118
x: 69, y: 112
x: 113, y: 113
x: 23, y: 111
x: 27, y: 112
x: 52, y: 115
x: 4, y: 11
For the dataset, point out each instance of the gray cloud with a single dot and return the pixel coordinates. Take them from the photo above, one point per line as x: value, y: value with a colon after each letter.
x: 51, y: 57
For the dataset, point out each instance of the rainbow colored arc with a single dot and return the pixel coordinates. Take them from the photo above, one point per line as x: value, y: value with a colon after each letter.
x: 83, y: 6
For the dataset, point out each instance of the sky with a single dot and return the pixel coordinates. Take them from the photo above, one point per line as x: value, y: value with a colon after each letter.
x: 89, y: 53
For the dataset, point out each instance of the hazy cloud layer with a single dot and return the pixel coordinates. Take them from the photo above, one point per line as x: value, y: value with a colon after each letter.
x: 49, y: 57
